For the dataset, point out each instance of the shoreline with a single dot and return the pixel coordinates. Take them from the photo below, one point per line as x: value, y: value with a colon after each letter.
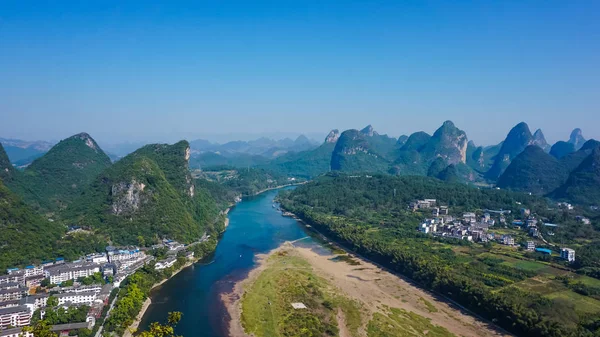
x: 232, y: 300
x: 132, y: 329
x: 274, y: 188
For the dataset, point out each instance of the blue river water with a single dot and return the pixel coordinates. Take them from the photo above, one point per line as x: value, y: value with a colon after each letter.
x: 255, y: 227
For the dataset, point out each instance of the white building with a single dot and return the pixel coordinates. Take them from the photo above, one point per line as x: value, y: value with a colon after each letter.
x: 15, y: 316
x: 530, y: 245
x: 30, y: 271
x: 71, y: 271
x: 165, y: 263
x: 35, y: 302
x: 100, y: 258
x: 96, y: 288
x: 77, y: 298
x: 508, y: 240
x: 123, y: 255
x: 567, y: 254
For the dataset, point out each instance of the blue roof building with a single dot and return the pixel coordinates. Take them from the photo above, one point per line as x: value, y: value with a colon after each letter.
x: 544, y: 251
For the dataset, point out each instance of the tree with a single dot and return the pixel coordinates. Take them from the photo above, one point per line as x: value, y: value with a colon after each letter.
x: 52, y: 302
x: 40, y: 329
x: 45, y: 282
x: 159, y: 330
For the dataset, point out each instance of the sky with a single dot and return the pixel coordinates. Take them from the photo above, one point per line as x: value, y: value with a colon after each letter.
x: 163, y: 71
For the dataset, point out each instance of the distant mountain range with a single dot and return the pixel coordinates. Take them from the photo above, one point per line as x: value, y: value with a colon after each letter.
x: 263, y: 146
x: 522, y: 161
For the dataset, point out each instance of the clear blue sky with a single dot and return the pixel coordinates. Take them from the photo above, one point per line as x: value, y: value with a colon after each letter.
x: 149, y: 70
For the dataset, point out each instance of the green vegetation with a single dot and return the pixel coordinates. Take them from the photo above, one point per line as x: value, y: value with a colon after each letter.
x: 533, y: 170
x: 369, y: 216
x: 399, y: 322
x: 246, y: 182
x: 305, y: 164
x: 583, y: 184
x: 56, y: 179
x: 25, y: 236
x: 267, y: 309
x: 149, y: 194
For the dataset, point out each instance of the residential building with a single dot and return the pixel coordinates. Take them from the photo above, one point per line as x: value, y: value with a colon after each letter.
x: 12, y: 294
x: 567, y: 254
x: 189, y: 255
x: 131, y: 253
x: 15, y: 317
x: 435, y: 211
x: 14, y: 278
x: 34, y: 281
x: 35, y: 302
x: 71, y: 271
x: 99, y: 258
x: 87, y: 298
x: 443, y: 210
x: 30, y: 271
x: 508, y: 240
x: 530, y: 245
x: 10, y: 285
x: 96, y: 288
x: 169, y: 262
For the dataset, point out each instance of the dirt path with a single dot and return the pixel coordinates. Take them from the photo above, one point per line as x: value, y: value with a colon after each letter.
x: 375, y: 288
x: 341, y: 321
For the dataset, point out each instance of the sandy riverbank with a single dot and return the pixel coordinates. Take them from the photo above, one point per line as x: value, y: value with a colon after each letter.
x: 373, y: 287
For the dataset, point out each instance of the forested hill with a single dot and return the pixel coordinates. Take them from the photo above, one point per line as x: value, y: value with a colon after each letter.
x: 24, y: 235
x: 54, y: 180
x: 527, y: 293
x: 147, y: 196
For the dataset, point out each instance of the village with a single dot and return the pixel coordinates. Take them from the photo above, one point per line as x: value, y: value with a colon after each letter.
x: 83, y: 284
x: 471, y: 227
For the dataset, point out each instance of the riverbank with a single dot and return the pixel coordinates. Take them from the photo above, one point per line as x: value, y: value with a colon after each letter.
x: 376, y: 289
x: 135, y: 324
x: 275, y: 188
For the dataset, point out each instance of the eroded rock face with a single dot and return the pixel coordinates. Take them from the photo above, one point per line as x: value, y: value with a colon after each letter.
x: 333, y: 136
x: 127, y: 197
x: 187, y: 153
x: 87, y: 140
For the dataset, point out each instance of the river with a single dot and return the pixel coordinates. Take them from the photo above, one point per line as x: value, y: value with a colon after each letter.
x: 255, y: 227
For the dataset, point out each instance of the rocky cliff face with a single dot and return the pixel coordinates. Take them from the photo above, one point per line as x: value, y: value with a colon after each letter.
x: 333, y: 136
x: 449, y: 143
x: 127, y: 197
x: 368, y: 131
x: 540, y: 140
x: 577, y: 139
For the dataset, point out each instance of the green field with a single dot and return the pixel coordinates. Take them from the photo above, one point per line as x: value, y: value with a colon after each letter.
x: 267, y: 309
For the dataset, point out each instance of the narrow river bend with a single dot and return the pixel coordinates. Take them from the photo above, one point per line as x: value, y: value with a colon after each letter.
x: 255, y: 227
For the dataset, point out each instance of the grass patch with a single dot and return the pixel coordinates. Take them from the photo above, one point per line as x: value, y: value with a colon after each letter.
x: 267, y: 309
x: 428, y: 304
x: 399, y: 322
x: 583, y: 304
